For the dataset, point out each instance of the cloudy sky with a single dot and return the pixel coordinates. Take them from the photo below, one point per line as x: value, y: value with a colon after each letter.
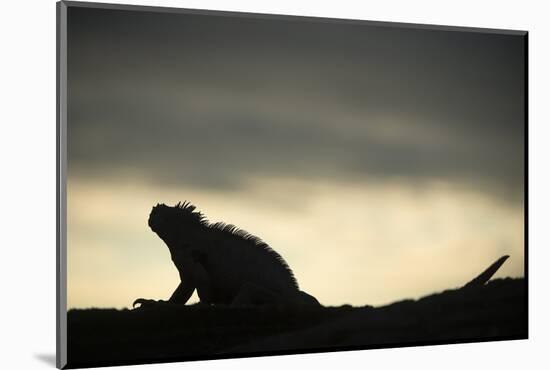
x: 381, y: 162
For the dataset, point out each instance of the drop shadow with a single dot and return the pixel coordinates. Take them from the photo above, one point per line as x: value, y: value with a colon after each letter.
x: 47, y: 358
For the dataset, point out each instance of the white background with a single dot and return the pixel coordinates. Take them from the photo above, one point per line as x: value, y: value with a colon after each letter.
x: 27, y: 264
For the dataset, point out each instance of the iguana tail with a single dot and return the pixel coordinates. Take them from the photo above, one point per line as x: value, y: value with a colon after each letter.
x: 484, y: 277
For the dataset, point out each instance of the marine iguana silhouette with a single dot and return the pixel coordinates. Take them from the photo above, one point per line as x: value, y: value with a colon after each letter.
x: 226, y: 265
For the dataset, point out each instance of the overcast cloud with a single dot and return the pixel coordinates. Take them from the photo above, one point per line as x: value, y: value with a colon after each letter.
x: 211, y: 101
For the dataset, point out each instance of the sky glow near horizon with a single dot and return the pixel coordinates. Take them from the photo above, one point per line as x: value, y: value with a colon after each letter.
x: 341, y: 240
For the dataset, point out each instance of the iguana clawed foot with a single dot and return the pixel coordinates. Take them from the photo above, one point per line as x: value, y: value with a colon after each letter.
x: 142, y: 302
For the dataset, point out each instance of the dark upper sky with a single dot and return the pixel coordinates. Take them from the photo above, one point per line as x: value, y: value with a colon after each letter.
x: 210, y: 100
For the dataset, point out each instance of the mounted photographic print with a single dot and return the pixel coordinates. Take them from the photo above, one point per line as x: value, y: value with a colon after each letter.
x: 236, y: 185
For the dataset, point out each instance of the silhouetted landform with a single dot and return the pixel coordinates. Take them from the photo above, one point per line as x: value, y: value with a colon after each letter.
x: 225, y: 264
x: 172, y: 332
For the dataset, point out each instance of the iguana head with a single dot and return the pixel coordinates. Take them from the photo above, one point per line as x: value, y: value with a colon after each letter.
x: 175, y: 225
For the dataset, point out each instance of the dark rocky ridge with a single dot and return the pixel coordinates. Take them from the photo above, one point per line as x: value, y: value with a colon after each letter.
x: 99, y: 337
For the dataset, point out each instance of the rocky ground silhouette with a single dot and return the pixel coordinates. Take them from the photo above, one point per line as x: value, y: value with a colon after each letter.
x: 100, y: 337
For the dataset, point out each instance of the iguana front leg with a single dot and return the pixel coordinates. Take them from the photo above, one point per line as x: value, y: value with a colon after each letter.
x: 190, y: 272
x: 183, y: 292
